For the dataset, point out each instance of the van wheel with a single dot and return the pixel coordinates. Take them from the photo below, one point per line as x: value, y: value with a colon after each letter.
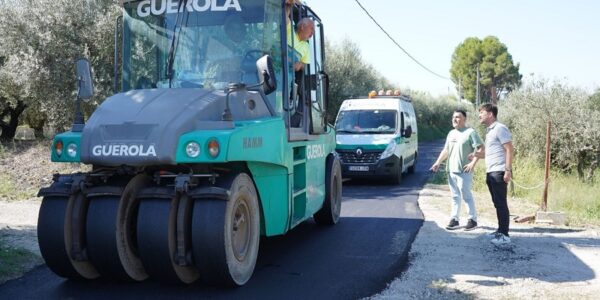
x: 411, y: 169
x: 397, y: 178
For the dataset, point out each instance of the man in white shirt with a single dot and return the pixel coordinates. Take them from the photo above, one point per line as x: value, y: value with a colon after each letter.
x: 498, y: 156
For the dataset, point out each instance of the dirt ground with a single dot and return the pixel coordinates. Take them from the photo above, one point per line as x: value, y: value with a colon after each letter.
x: 543, y: 262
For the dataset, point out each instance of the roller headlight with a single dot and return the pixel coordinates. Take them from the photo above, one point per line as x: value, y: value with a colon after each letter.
x: 192, y: 149
x: 72, y: 150
x: 389, y: 150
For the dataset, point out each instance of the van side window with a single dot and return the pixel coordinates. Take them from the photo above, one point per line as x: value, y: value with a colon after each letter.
x: 401, y: 122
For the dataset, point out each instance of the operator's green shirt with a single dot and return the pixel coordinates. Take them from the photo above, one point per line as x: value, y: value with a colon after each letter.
x: 459, y: 143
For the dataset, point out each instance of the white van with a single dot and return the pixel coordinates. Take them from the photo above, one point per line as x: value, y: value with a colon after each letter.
x: 377, y: 137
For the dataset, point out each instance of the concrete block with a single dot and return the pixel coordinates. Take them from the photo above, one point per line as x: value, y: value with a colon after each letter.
x: 24, y: 133
x: 554, y: 218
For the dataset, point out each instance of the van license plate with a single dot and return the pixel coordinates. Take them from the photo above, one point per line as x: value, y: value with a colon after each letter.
x: 358, y: 168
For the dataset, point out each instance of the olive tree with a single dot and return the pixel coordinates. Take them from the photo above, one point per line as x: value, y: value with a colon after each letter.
x: 595, y: 100
x: 349, y: 75
x: 575, y: 131
x: 40, y: 42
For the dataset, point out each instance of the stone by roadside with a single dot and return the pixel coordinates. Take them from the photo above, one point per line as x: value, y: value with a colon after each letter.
x: 543, y: 262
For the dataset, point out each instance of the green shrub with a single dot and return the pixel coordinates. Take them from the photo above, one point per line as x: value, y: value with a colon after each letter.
x: 7, y: 187
x: 439, y: 177
x: 575, y: 130
x: 434, y: 115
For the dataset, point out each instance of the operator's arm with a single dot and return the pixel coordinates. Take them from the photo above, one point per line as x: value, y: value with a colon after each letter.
x: 288, y: 8
x: 298, y: 66
x: 508, y: 147
x: 440, y: 159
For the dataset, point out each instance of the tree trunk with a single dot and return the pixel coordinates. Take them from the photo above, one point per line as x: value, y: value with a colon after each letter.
x: 9, y: 128
x: 38, y: 131
x: 494, y: 95
x: 590, y: 175
x: 580, y: 164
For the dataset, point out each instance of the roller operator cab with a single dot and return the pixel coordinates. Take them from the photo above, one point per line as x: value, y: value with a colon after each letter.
x: 210, y: 141
x: 377, y: 136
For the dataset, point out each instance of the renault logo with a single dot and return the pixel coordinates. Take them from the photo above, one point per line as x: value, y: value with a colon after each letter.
x: 359, y: 152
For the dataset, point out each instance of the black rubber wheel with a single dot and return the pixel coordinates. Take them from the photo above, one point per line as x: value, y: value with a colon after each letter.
x: 126, y: 231
x: 413, y: 167
x: 156, y: 239
x: 101, y: 238
x: 51, y: 236
x: 397, y: 177
x: 55, y: 238
x: 329, y: 214
x: 226, y: 234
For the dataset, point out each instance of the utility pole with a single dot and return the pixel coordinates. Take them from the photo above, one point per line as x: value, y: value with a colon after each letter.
x: 478, y: 101
x: 544, y: 205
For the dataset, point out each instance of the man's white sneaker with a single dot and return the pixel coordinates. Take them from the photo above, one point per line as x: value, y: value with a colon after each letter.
x: 492, y: 235
x: 501, y: 239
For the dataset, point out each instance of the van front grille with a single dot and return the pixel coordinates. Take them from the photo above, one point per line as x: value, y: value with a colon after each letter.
x: 367, y: 156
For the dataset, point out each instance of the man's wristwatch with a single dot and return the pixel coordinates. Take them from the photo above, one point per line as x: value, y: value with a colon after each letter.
x: 508, y: 170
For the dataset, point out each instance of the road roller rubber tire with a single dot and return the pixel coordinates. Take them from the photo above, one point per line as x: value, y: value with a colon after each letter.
x: 55, y: 238
x: 101, y: 237
x: 226, y: 234
x: 329, y: 214
x: 156, y: 239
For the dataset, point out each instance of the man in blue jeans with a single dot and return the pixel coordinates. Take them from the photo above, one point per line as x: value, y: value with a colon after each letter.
x: 498, y: 156
x: 460, y: 142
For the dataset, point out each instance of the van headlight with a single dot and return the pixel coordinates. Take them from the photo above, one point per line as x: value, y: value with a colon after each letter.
x: 389, y: 150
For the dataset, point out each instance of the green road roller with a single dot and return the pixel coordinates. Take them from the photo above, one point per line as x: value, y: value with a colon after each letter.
x: 212, y: 139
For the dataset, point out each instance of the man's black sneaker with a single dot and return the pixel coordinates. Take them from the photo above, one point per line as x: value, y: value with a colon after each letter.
x: 452, y: 225
x: 471, y: 225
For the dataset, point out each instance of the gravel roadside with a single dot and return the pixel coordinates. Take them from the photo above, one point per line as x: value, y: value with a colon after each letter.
x: 543, y: 262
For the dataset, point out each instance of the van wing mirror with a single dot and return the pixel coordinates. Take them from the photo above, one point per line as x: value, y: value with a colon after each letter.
x: 408, y: 131
x: 264, y: 66
x: 84, y: 79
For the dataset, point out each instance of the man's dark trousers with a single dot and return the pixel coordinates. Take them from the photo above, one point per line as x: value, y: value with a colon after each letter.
x: 497, y: 187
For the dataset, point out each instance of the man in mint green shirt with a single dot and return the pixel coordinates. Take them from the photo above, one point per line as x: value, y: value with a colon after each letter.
x: 460, y: 142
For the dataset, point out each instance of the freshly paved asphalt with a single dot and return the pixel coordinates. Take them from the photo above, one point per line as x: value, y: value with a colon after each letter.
x: 355, y: 258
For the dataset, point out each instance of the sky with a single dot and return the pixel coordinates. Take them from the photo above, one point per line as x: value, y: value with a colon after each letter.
x: 551, y: 39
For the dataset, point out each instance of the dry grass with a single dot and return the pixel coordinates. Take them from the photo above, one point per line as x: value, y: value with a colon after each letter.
x: 579, y: 201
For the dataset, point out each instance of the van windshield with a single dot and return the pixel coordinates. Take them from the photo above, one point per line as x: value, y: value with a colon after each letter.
x: 366, y: 121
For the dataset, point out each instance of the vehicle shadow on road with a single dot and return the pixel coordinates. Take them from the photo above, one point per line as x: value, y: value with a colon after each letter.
x: 20, y: 237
